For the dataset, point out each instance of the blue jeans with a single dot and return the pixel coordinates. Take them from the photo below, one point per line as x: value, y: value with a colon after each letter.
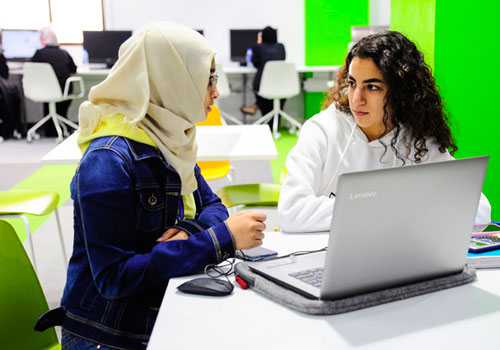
x: 73, y: 342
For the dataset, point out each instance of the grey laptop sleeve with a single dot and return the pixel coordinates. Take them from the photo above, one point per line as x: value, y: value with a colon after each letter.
x: 300, y: 303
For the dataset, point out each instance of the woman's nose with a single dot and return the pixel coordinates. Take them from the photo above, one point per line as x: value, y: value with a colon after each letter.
x: 358, y: 96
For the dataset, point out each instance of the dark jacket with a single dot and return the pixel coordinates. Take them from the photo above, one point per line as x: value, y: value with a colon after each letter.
x: 125, y: 197
x: 263, y: 53
x: 59, y: 59
x: 4, y: 68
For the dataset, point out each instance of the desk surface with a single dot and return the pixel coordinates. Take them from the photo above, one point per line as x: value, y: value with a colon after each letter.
x: 465, y: 317
x: 230, y: 142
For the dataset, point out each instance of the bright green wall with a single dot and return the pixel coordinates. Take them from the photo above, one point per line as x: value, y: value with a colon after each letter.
x: 467, y: 58
x: 328, y: 29
x: 415, y: 19
x: 327, y: 34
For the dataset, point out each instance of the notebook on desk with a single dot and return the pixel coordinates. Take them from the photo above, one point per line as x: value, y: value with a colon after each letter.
x: 390, y: 227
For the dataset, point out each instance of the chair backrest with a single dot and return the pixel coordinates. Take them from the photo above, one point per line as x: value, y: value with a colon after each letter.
x: 279, y: 80
x: 21, y: 296
x: 213, y: 118
x: 223, y: 82
x: 40, y: 82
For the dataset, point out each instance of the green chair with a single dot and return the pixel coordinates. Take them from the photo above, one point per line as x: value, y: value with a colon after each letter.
x: 16, y: 203
x: 250, y: 195
x: 22, y: 300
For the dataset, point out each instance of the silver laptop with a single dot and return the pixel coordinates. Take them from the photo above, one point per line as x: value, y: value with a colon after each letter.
x: 390, y: 227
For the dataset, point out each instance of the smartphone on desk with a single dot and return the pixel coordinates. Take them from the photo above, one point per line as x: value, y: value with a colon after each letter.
x: 487, y: 238
x: 255, y: 254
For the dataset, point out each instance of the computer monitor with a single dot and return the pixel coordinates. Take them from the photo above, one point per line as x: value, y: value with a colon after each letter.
x: 20, y: 45
x: 200, y: 31
x: 102, y: 46
x: 240, y: 40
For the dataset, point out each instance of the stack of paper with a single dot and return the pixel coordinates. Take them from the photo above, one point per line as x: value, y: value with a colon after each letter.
x: 485, y: 260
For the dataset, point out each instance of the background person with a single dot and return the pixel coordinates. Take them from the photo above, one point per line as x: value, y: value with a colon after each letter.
x: 63, y: 66
x: 384, y: 111
x: 267, y: 49
x: 142, y: 211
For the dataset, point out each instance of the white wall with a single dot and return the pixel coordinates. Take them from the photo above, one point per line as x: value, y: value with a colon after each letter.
x: 380, y: 12
x: 216, y: 17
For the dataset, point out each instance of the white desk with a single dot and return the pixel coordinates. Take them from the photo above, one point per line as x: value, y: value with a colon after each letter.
x: 231, y: 142
x: 465, y: 317
x: 300, y: 69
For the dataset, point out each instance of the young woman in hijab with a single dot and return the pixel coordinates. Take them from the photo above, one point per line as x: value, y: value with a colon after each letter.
x: 142, y: 211
x: 267, y: 49
x: 384, y: 111
x: 63, y: 66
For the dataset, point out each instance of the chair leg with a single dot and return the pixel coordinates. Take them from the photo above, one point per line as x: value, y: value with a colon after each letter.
x: 67, y: 121
x: 34, y: 128
x: 265, y: 118
x: 61, y: 238
x: 58, y: 129
x: 30, y: 240
x: 230, y: 117
x: 291, y: 119
x: 276, y: 111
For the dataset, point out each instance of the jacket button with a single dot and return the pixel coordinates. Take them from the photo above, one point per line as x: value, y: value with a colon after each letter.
x: 152, y: 200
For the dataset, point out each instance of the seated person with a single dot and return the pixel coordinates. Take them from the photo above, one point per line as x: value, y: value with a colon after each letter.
x: 63, y: 66
x: 143, y: 213
x: 384, y: 111
x: 267, y: 49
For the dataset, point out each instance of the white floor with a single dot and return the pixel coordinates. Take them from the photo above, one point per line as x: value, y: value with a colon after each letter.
x: 18, y: 159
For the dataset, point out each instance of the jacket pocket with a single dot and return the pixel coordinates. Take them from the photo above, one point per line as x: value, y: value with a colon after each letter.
x: 151, y: 208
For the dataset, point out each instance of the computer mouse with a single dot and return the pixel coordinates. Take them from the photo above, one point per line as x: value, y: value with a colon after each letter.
x: 207, y: 286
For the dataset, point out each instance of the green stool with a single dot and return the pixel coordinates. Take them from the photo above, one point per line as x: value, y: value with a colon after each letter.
x: 16, y: 203
x: 23, y: 300
x: 250, y: 195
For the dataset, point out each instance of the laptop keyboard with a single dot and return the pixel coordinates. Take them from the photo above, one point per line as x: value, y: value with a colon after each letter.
x: 313, y: 277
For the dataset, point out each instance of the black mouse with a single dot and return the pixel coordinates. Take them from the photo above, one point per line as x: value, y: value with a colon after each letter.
x: 207, y: 286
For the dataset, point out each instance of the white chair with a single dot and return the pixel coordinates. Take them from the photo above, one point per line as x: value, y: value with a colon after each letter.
x: 224, y: 91
x: 40, y: 85
x: 279, y: 80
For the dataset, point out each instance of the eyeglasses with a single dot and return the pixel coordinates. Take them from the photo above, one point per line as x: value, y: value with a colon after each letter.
x: 212, y: 81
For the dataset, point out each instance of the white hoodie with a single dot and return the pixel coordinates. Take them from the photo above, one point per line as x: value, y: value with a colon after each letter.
x: 330, y: 144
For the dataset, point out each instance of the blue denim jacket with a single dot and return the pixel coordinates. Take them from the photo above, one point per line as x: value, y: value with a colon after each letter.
x: 125, y: 197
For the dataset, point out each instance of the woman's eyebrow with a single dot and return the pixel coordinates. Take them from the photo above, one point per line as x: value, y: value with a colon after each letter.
x: 372, y: 80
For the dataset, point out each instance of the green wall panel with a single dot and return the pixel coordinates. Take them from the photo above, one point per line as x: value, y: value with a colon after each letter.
x: 327, y: 34
x: 328, y: 29
x: 466, y: 68
x: 415, y: 19
x: 312, y: 103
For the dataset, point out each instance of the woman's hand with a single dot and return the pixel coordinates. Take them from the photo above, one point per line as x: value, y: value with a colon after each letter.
x: 173, y: 234
x: 246, y: 227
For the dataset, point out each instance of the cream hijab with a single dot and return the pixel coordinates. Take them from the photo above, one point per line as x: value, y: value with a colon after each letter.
x: 159, y: 84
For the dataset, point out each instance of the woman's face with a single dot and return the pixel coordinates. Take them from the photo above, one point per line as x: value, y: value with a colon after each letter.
x: 212, y: 92
x: 367, y: 92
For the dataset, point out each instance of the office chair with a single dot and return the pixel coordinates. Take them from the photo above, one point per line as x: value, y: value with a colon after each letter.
x: 212, y: 170
x: 23, y: 300
x: 224, y: 91
x: 279, y: 80
x: 40, y: 85
x: 17, y: 203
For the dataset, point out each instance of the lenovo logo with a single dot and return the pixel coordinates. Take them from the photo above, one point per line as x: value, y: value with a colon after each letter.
x: 362, y: 195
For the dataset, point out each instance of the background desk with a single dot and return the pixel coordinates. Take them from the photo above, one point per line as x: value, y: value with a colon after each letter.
x: 231, y: 142
x: 465, y: 317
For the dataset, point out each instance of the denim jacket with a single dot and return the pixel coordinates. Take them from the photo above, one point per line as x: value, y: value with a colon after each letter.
x: 125, y: 197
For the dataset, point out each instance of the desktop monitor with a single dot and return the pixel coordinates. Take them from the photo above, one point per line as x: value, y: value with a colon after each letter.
x: 102, y: 46
x: 200, y: 31
x: 240, y: 40
x: 20, y: 45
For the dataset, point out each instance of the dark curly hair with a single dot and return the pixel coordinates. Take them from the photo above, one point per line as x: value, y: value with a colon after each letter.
x: 412, y: 97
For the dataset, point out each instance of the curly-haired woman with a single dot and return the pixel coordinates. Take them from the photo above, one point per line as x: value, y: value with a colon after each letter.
x: 384, y: 111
